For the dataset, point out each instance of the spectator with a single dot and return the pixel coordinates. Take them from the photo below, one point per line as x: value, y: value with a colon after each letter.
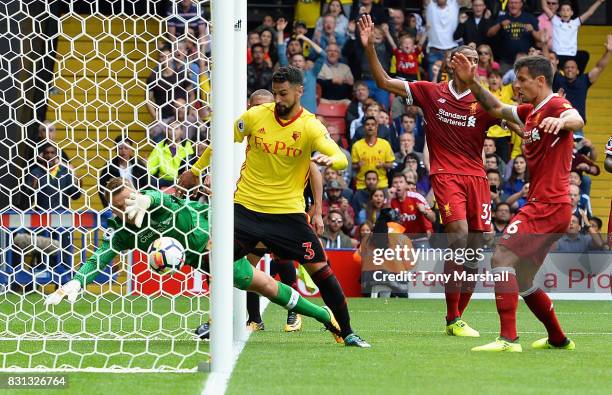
x: 579, y: 206
x: 413, y: 210
x: 576, y: 85
x: 333, y: 237
x: 259, y: 73
x: 378, y: 13
x: 356, y: 109
x: 406, y: 143
x: 486, y: 63
x: 413, y: 164
x: 565, y: 32
x: 372, y: 210
x: 415, y: 124
x: 335, y: 201
x: 502, y: 218
x: 509, y: 76
x: 495, y: 185
x: 334, y: 8
x: 491, y: 162
x: 47, y: 133
x: 473, y: 29
x: 516, y: 187
x: 372, y: 153
x: 125, y: 165
x: 490, y: 148
x: 335, y: 78
x: 329, y: 35
x: 516, y: 31
x: 595, y: 225
x: 170, y: 156
x: 267, y: 22
x: 266, y: 37
x: 166, y: 85
x: 184, y: 114
x: 383, y: 131
x: 362, y: 68
x: 309, y: 97
x: 188, y: 14
x: 407, y: 57
x: 185, y: 63
x: 332, y: 175
x: 49, y: 183
x: 583, y: 165
x: 585, y: 199
x: 544, y: 21
x: 335, y: 135
x: 442, y: 21
x: 361, y: 196
x: 574, y: 241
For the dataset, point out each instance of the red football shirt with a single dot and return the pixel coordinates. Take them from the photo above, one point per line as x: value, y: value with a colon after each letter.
x: 407, y: 63
x: 456, y: 127
x: 549, y: 156
x: 411, y: 218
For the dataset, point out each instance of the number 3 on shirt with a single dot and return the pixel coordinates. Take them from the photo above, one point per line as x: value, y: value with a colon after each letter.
x: 486, y: 213
x: 309, y: 251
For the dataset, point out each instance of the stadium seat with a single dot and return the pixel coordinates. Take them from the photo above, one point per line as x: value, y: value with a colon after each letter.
x: 334, y: 114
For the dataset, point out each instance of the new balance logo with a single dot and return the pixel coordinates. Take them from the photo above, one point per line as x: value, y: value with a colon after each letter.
x: 442, y: 100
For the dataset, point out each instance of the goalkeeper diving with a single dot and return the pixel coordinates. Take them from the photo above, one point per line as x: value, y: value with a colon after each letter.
x: 140, y: 218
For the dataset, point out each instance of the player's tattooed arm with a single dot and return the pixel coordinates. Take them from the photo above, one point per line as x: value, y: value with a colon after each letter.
x: 383, y: 80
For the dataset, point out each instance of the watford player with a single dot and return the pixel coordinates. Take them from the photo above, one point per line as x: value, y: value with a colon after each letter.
x: 269, y: 200
x: 548, y: 121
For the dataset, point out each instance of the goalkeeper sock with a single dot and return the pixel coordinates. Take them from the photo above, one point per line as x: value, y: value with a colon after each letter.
x: 291, y: 300
x: 333, y: 296
x: 286, y: 272
x: 253, y: 307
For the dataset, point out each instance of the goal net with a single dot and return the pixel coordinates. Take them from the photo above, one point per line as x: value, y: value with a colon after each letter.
x: 98, y: 88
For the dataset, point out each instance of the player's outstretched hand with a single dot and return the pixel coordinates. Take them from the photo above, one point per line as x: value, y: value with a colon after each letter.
x: 552, y: 125
x: 464, y: 70
x: 317, y: 222
x: 186, y: 181
x: 322, y: 160
x: 366, y: 30
x: 70, y: 290
x: 136, y: 207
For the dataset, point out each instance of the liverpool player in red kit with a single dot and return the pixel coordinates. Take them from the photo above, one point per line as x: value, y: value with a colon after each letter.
x: 456, y: 129
x: 548, y: 121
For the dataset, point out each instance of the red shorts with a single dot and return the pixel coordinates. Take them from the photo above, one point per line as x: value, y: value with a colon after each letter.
x: 463, y: 198
x: 534, y: 229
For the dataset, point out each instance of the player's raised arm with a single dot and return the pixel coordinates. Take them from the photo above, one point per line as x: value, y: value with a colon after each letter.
x: 466, y: 72
x: 383, y: 81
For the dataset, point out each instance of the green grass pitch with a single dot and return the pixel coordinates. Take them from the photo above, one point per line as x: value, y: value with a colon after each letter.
x: 409, y: 355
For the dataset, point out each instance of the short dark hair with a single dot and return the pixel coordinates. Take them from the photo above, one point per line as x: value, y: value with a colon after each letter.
x: 368, y: 172
x: 359, y: 83
x: 120, y: 139
x: 494, y: 171
x: 495, y: 73
x: 257, y: 45
x: 503, y: 204
x: 597, y: 221
x: 409, y: 116
x: 46, y: 145
x: 565, y: 2
x: 489, y: 138
x: 536, y: 66
x: 288, y: 74
x: 399, y: 174
x: 367, y: 118
x: 487, y: 156
x: 461, y: 49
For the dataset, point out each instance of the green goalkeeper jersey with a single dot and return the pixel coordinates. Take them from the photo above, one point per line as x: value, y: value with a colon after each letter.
x: 169, y: 216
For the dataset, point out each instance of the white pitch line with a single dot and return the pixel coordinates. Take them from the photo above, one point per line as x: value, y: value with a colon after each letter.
x: 478, y: 312
x: 409, y: 332
x: 216, y: 383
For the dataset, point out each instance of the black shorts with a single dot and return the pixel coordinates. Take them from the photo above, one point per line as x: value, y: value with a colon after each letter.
x: 286, y: 235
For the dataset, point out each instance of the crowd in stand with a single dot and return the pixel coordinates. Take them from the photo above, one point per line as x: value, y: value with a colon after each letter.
x: 382, y: 137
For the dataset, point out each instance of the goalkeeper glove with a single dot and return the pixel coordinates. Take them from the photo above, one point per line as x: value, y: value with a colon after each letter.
x: 136, y: 207
x: 70, y: 290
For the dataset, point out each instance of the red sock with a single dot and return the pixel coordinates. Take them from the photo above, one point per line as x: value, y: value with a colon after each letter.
x: 467, y: 289
x: 542, y: 307
x: 452, y: 291
x: 506, y: 300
